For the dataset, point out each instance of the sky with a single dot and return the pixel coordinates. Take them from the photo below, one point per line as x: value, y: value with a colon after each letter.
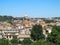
x: 33, y: 8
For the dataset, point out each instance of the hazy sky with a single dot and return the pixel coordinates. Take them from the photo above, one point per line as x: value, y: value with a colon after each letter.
x: 34, y: 8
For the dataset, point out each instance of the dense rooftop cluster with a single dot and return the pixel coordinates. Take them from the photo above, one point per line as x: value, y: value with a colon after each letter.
x: 21, y: 27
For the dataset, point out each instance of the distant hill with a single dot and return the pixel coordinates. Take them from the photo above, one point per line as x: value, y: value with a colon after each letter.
x: 6, y: 18
x: 56, y: 17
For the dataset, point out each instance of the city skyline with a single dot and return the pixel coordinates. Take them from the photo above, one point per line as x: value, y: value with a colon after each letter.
x: 34, y: 8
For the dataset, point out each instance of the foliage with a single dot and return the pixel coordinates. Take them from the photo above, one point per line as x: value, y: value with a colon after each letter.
x: 37, y: 32
x: 55, y: 35
x: 26, y: 41
x: 4, y: 42
x: 14, y: 41
x: 6, y: 18
x: 42, y: 42
x: 49, y: 21
x: 57, y: 28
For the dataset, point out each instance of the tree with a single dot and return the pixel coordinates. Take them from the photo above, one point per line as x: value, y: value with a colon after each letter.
x: 37, y: 32
x: 26, y: 41
x: 42, y: 42
x: 55, y: 35
x: 7, y: 18
x: 14, y: 41
x: 49, y: 21
x: 57, y: 28
x: 4, y: 42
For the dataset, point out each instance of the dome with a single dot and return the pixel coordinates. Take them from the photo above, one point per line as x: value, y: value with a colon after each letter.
x: 26, y: 16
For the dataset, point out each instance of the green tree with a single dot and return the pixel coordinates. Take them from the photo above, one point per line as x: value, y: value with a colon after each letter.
x: 41, y: 42
x: 37, y: 32
x: 6, y: 18
x: 26, y: 41
x: 4, y: 42
x: 57, y: 28
x: 49, y: 21
x: 55, y: 35
x: 14, y: 41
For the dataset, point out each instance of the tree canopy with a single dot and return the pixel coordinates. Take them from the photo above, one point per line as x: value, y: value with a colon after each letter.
x: 26, y: 41
x: 37, y: 32
x: 42, y: 42
x: 55, y: 35
x: 4, y: 42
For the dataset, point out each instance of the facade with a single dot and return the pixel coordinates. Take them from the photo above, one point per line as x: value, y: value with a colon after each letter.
x: 10, y: 34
